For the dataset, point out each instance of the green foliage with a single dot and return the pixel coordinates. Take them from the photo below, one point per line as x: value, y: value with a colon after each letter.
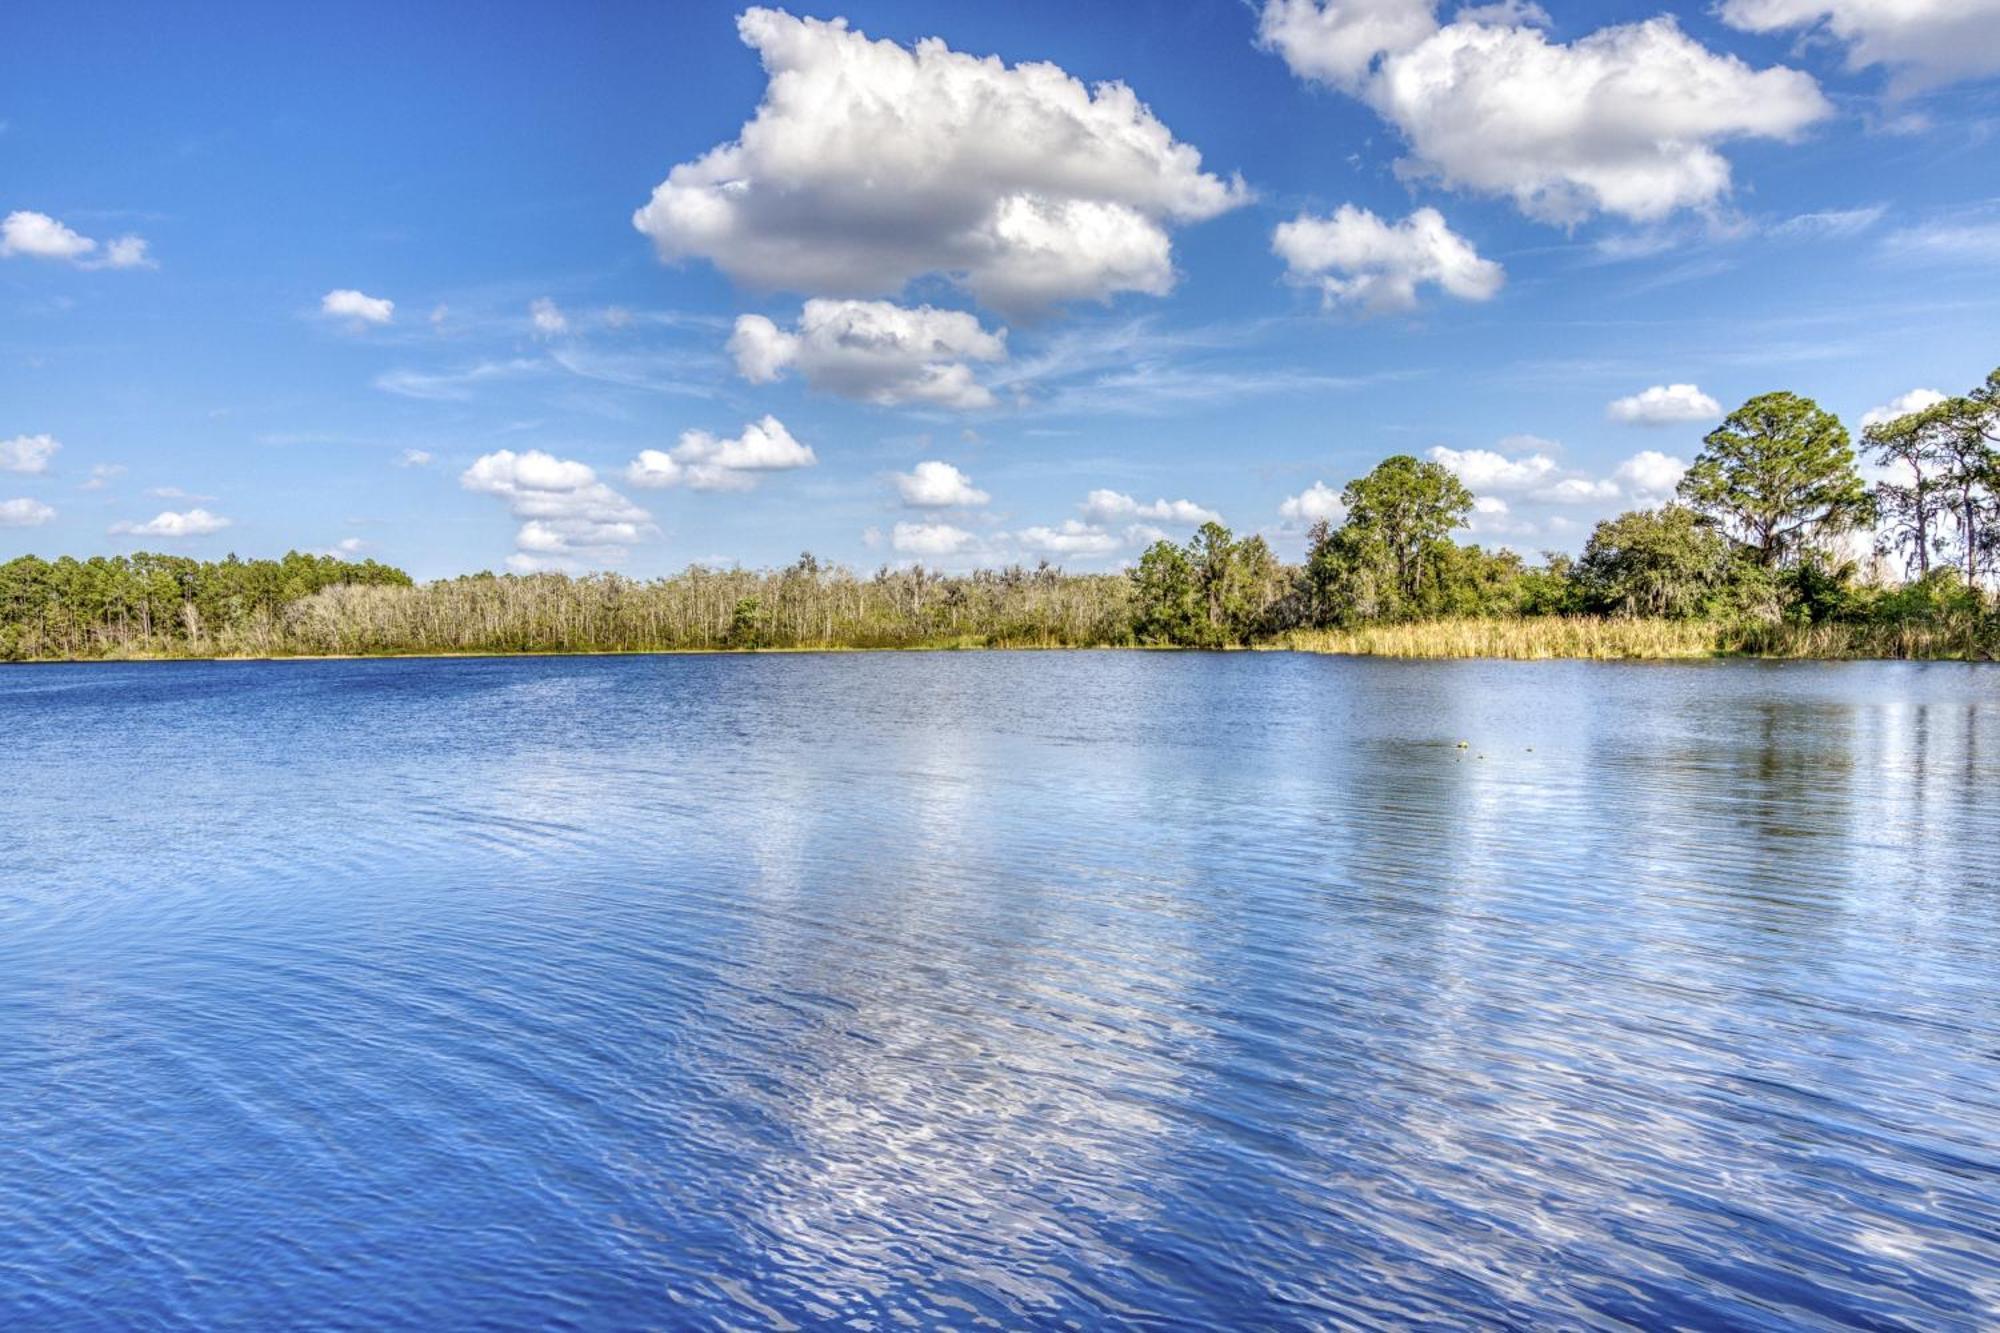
x: 1211, y: 593
x: 1404, y: 513
x: 1944, y: 464
x: 1778, y: 474
x: 745, y: 626
x: 1550, y: 590
x: 1393, y: 557
x: 163, y: 604
x: 1654, y: 562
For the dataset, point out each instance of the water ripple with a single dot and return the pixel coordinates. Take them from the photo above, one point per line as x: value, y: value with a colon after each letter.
x: 1067, y: 989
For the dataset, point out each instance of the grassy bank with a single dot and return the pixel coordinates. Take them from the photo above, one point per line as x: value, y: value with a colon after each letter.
x: 1510, y: 638
x: 1530, y: 638
x: 1519, y: 639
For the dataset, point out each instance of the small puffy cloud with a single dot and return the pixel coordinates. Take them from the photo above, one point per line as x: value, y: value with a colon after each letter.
x: 39, y: 236
x: 1514, y: 492
x: 347, y: 546
x: 1072, y: 537
x: 1355, y: 258
x: 547, y: 317
x: 1649, y: 475
x: 1625, y: 120
x: 24, y: 513
x: 930, y: 539
x: 932, y: 484
x: 1665, y: 405
x: 761, y: 349
x: 28, y: 453
x: 1337, y: 42
x: 868, y: 165
x: 567, y: 515
x: 1579, y: 490
x: 701, y: 462
x: 102, y: 475
x: 1924, y: 42
x: 1916, y: 400
x: 191, y: 523
x: 414, y: 458
x: 1316, y: 502
x: 1106, y: 506
x: 32, y: 235
x: 1486, y: 470
x: 357, y: 309
x: 127, y: 252
x: 875, y: 351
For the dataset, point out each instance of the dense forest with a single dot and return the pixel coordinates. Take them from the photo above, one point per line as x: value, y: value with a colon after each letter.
x: 1754, y: 555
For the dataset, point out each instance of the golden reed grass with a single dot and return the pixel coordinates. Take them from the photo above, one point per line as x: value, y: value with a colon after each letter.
x: 1596, y: 638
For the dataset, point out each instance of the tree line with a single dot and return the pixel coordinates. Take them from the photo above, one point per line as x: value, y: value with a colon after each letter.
x: 1758, y: 541
x: 1758, y: 538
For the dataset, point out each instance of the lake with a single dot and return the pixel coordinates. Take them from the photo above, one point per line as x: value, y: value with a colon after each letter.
x: 1002, y: 988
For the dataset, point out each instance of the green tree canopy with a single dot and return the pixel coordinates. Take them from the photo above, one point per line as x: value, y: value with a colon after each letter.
x: 1653, y: 562
x: 1215, y: 591
x: 1778, y: 474
x: 1392, y: 555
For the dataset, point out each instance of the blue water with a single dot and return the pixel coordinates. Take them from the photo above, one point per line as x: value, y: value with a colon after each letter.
x: 1002, y: 989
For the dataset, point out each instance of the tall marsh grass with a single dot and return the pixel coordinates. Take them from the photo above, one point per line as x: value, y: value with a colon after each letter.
x: 1526, y: 638
x: 1590, y: 637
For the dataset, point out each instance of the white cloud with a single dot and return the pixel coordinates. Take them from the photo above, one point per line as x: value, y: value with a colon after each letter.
x: 547, y: 317
x: 1829, y: 224
x: 868, y: 165
x: 762, y: 349
x: 1337, y: 42
x: 1072, y: 537
x: 101, y: 475
x: 1916, y: 400
x: 567, y: 515
x: 932, y: 484
x: 349, y: 546
x: 930, y: 539
x: 1925, y: 42
x: 357, y: 308
x: 874, y: 351
x: 1579, y: 490
x: 167, y: 523
x: 1625, y: 120
x: 1535, y: 476
x: 1485, y: 470
x: 1650, y: 476
x: 1665, y: 405
x: 24, y: 513
x: 414, y: 458
x: 127, y: 252
x: 1106, y: 506
x: 1358, y: 259
x: 1317, y: 501
x: 39, y: 236
x: 28, y: 453
x: 702, y: 462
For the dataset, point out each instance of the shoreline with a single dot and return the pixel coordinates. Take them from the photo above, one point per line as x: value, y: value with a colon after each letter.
x: 1710, y: 655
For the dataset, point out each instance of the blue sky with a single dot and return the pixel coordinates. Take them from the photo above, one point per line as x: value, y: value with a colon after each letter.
x: 368, y: 277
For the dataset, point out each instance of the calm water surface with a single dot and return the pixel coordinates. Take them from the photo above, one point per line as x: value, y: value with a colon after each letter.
x: 1004, y: 989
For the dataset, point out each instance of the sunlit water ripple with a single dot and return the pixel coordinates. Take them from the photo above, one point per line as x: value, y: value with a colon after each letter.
x: 920, y: 989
